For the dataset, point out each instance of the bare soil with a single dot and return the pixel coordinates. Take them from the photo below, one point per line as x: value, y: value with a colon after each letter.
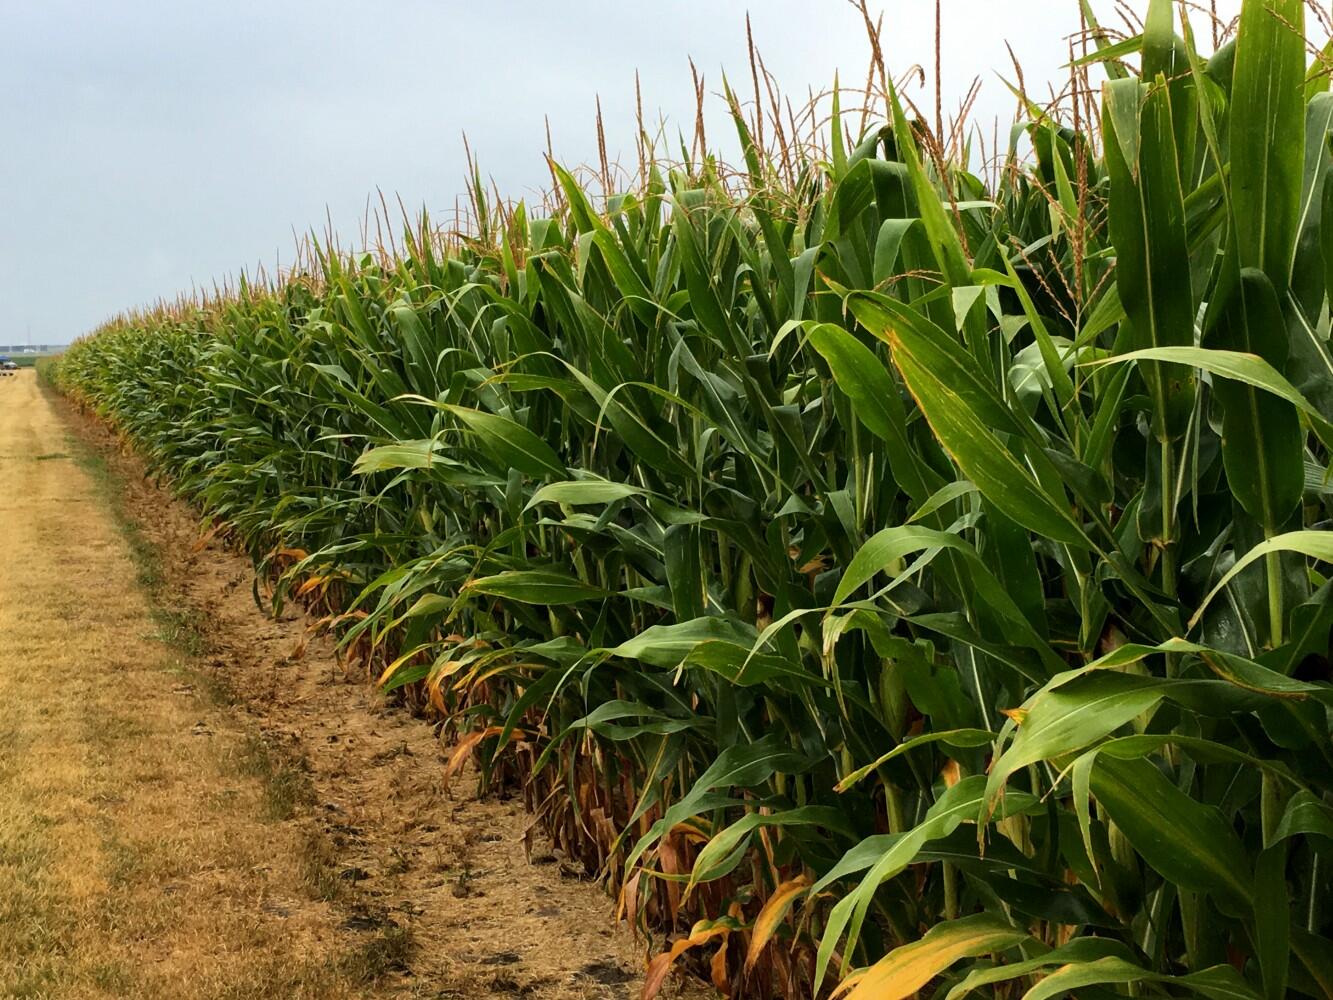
x: 218, y: 806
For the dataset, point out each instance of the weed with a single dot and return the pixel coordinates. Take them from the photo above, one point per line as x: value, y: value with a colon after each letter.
x: 387, y: 950
x: 284, y: 776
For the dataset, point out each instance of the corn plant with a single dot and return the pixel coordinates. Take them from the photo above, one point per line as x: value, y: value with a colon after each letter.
x: 887, y: 578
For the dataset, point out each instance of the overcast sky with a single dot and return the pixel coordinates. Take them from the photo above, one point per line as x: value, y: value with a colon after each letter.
x: 150, y: 146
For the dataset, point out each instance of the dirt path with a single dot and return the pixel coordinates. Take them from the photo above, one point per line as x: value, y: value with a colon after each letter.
x: 188, y: 809
x: 135, y: 858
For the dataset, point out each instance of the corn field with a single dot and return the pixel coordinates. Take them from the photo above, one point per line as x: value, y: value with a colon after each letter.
x: 891, y: 566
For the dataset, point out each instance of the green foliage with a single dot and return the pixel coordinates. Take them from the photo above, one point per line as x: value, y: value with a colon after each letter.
x: 959, y: 551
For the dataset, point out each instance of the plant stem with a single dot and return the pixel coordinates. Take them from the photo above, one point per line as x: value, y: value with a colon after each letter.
x: 1273, y: 570
x: 1168, y: 523
x: 894, y: 802
x: 1168, y: 530
x: 1312, y: 911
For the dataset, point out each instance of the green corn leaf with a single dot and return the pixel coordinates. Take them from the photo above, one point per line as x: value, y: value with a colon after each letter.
x: 1304, y: 814
x: 960, y: 738
x: 1221, y: 982
x: 1246, y: 368
x: 987, y: 462
x: 1067, y: 716
x: 1272, y: 919
x: 894, y: 322
x: 1268, y: 134
x: 401, y: 455
x: 1076, y: 953
x: 1187, y: 842
x: 1104, y: 46
x: 962, y: 410
x: 669, y: 645
x: 536, y: 587
x: 875, y: 401
x: 935, y: 218
x: 1311, y: 544
x: 512, y: 443
x: 1147, y: 225
x: 719, y: 857
x: 1313, y: 950
x: 583, y: 492
x: 1263, y: 446
x: 883, y: 550
x: 741, y: 666
x: 742, y: 766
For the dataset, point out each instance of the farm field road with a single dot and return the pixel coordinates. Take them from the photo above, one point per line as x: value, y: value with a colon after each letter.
x: 134, y: 856
x: 181, y: 818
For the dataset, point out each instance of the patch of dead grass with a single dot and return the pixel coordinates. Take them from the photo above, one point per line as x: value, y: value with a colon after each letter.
x: 150, y: 844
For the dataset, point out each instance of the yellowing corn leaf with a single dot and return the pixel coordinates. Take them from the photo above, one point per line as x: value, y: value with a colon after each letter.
x: 905, y: 970
x: 310, y: 583
x: 660, y: 966
x: 718, y: 967
x: 671, y: 861
x: 627, y: 905
x: 436, y: 698
x: 393, y: 667
x: 208, y: 536
x: 772, y: 915
x: 468, y: 743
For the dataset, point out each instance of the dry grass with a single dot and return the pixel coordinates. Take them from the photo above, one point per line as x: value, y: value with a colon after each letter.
x: 149, y: 846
